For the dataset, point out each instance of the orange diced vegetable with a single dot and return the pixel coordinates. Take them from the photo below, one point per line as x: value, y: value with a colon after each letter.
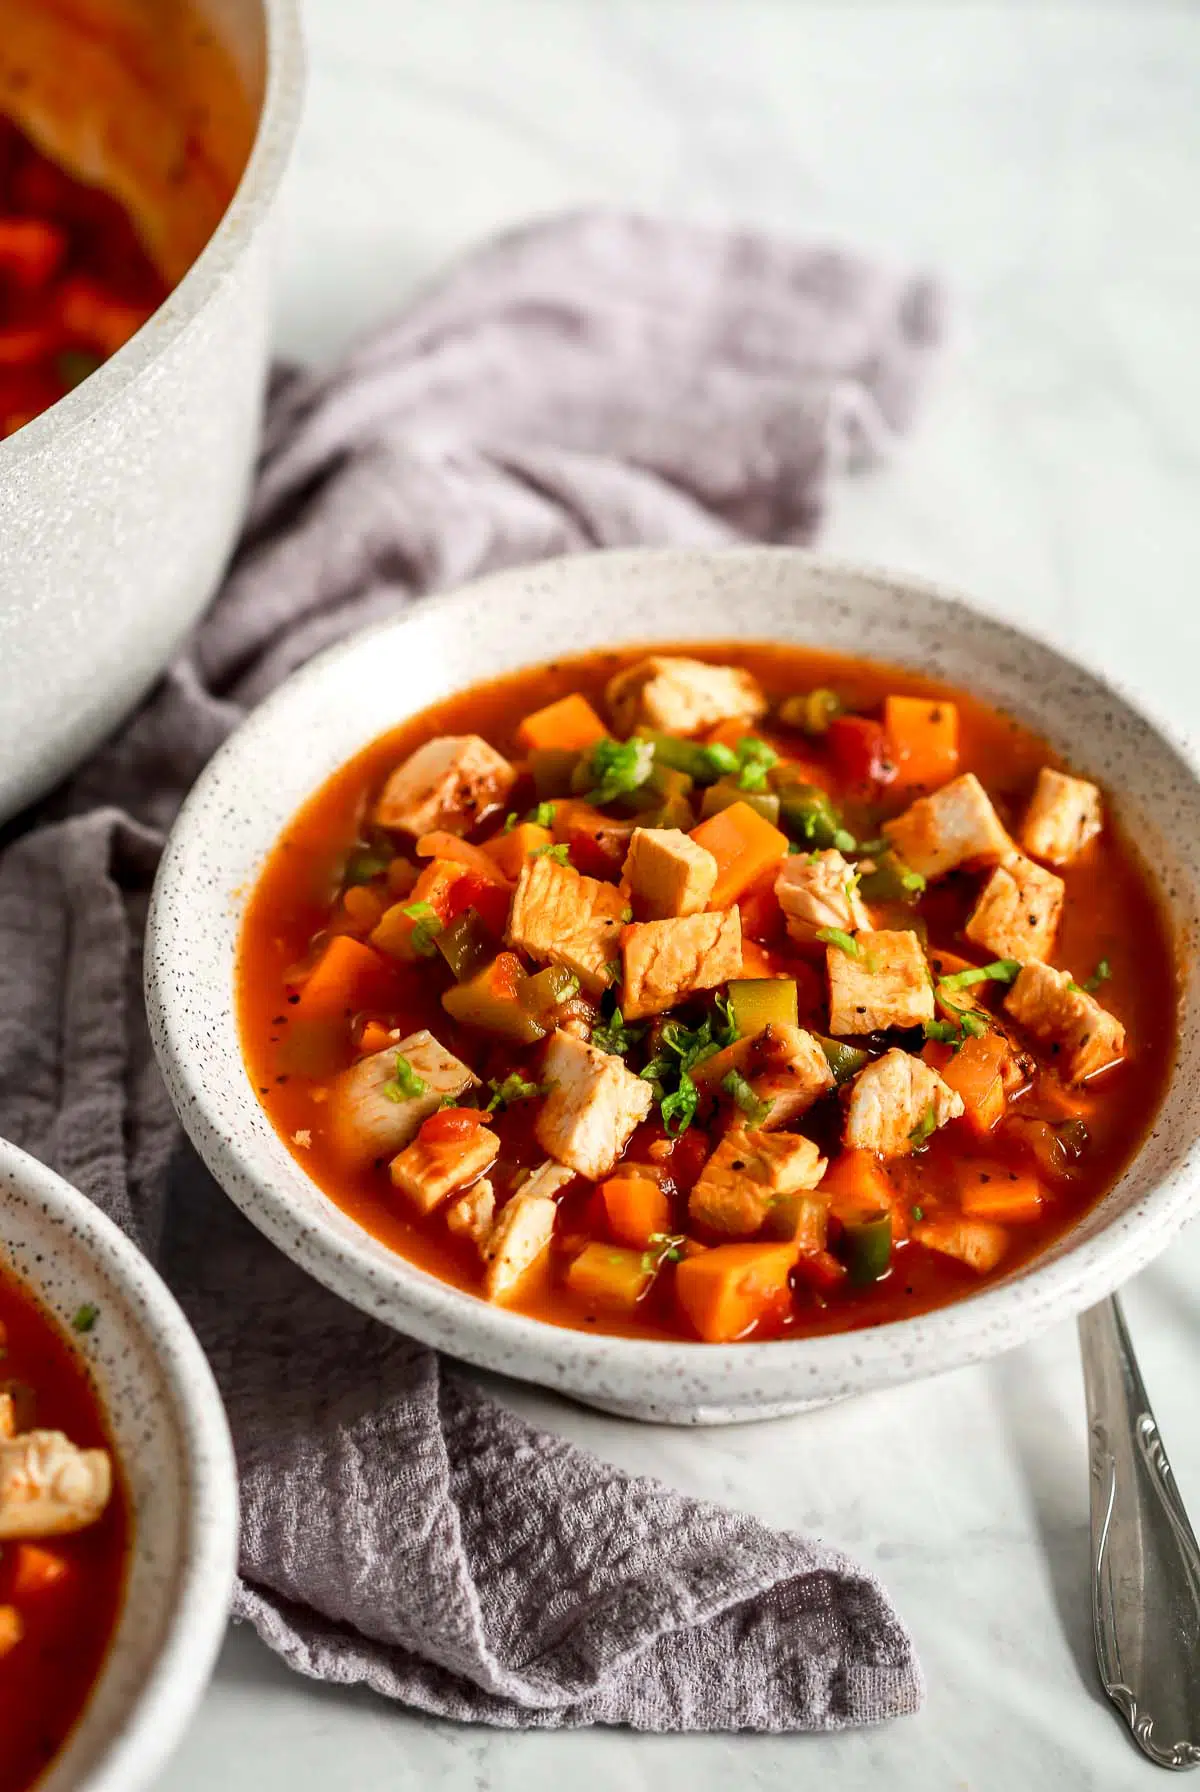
x: 610, y: 1277
x: 923, y: 734
x: 30, y: 251
x: 401, y: 876
x: 11, y: 1629
x: 345, y: 978
x: 393, y: 933
x: 744, y: 846
x: 991, y: 1191
x: 364, y: 908
x: 570, y: 725
x: 510, y: 851
x: 857, y: 1183
x: 36, y: 1569
x: 635, y: 1208
x: 375, y: 1037
x: 451, y: 1125
x: 733, y: 1286
x: 821, y: 1270
x: 975, y: 1073
x: 440, y: 845
x: 762, y: 917
x: 23, y: 344
x: 979, y: 1244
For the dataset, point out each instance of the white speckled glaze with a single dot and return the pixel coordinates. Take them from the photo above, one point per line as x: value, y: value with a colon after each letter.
x: 169, y: 1429
x: 119, y: 505
x: 351, y: 694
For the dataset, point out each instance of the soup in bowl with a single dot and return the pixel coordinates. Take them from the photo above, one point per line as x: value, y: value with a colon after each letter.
x: 753, y: 1000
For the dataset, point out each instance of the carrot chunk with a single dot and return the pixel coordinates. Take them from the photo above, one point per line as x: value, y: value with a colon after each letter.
x: 36, y: 1569
x: 991, y: 1191
x: 635, y: 1208
x: 346, y: 976
x: 570, y: 725
x: 856, y: 1182
x: 732, y: 1287
x: 510, y: 851
x: 440, y: 845
x: 923, y: 736
x: 975, y: 1073
x: 745, y: 847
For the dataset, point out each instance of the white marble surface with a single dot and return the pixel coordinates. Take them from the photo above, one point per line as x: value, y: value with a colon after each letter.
x: 1046, y: 158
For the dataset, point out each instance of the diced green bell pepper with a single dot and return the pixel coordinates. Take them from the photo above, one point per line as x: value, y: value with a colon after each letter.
x: 479, y: 1003
x: 725, y: 793
x: 552, y: 769
x: 547, y: 990
x: 688, y: 756
x: 891, y: 881
x: 465, y: 944
x: 844, y: 1060
x: 811, y: 712
x: 865, y: 1246
x: 809, y: 816
x: 762, y: 1001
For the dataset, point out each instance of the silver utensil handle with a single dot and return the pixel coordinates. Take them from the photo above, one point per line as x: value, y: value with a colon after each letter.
x: 1145, y: 1562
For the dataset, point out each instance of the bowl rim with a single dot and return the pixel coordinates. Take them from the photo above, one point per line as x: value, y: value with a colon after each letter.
x: 278, y: 120
x: 962, y: 1331
x: 192, y: 1636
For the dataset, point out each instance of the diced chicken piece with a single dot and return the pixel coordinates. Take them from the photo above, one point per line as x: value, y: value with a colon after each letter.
x: 681, y: 696
x: 885, y: 984
x: 522, y: 1233
x: 592, y: 1106
x: 518, y: 1239
x: 559, y: 917
x: 1064, y: 814
x: 48, y: 1487
x: 470, y: 1215
x: 783, y: 1065
x: 746, y: 1173
x: 1018, y: 910
x: 370, y: 1116
x: 895, y: 1103
x: 955, y: 826
x: 668, y: 873
x: 668, y: 960
x: 1082, y: 1036
x: 450, y: 783
x: 427, y: 1173
x: 819, y: 889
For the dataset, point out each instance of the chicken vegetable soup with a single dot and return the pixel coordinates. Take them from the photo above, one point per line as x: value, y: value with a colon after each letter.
x: 63, y: 1536
x: 719, y: 993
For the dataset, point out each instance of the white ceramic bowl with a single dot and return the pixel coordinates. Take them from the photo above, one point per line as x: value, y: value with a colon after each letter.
x: 170, y: 1433
x: 119, y: 506
x: 356, y: 691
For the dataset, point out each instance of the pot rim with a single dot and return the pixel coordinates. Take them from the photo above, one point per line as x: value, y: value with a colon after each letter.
x: 278, y: 120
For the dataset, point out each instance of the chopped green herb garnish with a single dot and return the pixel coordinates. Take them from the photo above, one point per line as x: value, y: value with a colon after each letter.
x: 627, y: 915
x: 974, y: 1024
x: 561, y: 854
x: 911, y: 880
x: 511, y: 1088
x: 428, y: 924
x: 754, y: 759
x: 755, y: 1110
x: 510, y: 821
x: 619, y: 766
x: 837, y: 936
x: 679, y: 1108
x: 868, y: 847
x: 725, y: 1028
x: 543, y: 815
x: 1001, y: 970
x: 921, y: 1133
x: 615, y: 1037
x: 918, y: 1213
x: 665, y: 1249
x: 612, y: 970
x: 85, y: 1317
x: 843, y: 841
x: 944, y: 1031
x: 722, y: 759
x: 1101, y: 974
x: 405, y: 1085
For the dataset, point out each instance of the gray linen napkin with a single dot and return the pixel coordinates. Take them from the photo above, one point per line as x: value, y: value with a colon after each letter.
x: 591, y: 380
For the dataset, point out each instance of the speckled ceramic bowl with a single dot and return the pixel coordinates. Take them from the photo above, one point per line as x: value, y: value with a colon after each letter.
x: 119, y: 505
x: 170, y: 1433
x: 321, y: 717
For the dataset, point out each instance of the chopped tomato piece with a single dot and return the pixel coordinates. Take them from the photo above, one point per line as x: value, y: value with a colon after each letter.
x: 861, y: 750
x: 451, y: 1124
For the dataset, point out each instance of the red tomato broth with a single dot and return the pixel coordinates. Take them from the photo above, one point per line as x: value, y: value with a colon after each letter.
x: 1111, y: 910
x: 75, y: 282
x: 47, y: 1677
